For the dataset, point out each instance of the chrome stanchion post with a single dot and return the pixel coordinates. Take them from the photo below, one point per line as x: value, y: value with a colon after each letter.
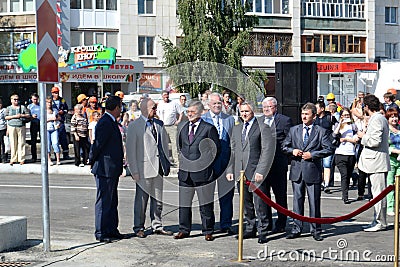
x: 396, y: 221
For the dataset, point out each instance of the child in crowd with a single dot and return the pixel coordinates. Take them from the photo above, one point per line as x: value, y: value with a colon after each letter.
x: 92, y: 125
x: 80, y: 132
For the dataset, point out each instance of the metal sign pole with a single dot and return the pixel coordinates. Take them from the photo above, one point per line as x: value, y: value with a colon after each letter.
x: 44, y: 168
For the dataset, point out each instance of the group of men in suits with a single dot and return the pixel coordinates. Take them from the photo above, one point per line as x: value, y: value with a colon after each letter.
x: 213, y: 150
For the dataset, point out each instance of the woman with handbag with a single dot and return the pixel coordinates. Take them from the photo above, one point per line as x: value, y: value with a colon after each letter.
x: 394, y: 153
x: 345, y: 134
x: 17, y: 115
x: 53, y: 120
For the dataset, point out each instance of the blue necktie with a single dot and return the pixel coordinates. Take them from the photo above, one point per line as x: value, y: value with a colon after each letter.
x: 244, y: 133
x: 306, y: 135
x: 218, y: 125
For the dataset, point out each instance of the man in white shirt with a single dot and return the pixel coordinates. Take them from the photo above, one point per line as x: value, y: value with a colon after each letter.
x: 170, y: 112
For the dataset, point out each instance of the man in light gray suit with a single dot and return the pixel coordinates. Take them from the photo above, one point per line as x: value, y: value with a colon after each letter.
x: 308, y: 144
x: 253, y: 150
x: 374, y: 159
x: 147, y: 154
x: 226, y: 189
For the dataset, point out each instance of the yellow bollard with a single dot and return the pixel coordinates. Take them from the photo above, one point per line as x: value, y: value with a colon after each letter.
x: 241, y: 212
x: 396, y: 221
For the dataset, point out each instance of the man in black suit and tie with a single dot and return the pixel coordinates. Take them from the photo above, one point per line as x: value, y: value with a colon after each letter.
x: 277, y: 176
x: 106, y: 159
x: 308, y: 143
x: 252, y: 148
x: 198, y: 147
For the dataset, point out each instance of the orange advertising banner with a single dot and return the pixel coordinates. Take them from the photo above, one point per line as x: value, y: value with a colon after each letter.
x: 150, y: 80
x: 345, y: 66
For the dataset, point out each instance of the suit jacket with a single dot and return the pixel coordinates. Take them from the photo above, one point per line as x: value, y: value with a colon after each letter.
x: 319, y: 146
x: 145, y: 154
x: 107, y: 154
x: 225, y: 138
x: 375, y: 154
x: 256, y: 154
x: 280, y: 128
x: 196, y: 159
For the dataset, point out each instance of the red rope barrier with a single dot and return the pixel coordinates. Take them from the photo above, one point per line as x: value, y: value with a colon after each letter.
x: 291, y: 214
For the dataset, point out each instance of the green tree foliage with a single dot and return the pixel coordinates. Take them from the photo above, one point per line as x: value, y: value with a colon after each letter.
x: 213, y: 31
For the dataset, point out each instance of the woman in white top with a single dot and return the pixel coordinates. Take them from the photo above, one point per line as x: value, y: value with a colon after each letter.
x: 52, y: 131
x: 3, y: 130
x: 345, y: 134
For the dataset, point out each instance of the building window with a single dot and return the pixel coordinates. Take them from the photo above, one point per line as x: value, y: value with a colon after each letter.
x: 391, y: 15
x: 333, y: 8
x: 269, y: 45
x: 146, y: 45
x: 391, y: 51
x: 146, y: 6
x: 269, y: 6
x: 109, y: 39
x: 98, y: 4
x: 10, y: 6
x: 338, y: 44
x: 8, y: 40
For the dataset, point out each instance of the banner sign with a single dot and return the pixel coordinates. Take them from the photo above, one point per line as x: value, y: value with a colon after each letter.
x: 345, y: 66
x: 18, y: 77
x: 96, y: 77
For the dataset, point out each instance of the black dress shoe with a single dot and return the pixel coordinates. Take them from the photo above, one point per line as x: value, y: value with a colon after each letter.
x: 278, y: 230
x: 162, y: 232
x: 360, y: 198
x: 346, y: 201
x: 317, y: 237
x: 181, y: 235
x: 293, y: 235
x: 119, y: 236
x: 262, y: 240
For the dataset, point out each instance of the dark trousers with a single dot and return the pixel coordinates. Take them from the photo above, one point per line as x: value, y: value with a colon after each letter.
x: 2, y: 145
x: 83, y: 144
x: 277, y: 181
x: 62, y: 138
x: 226, y: 191
x: 106, y: 207
x: 34, y: 128
x: 314, y: 202
x: 345, y: 165
x: 254, y: 205
x: 205, y: 195
x: 362, y: 181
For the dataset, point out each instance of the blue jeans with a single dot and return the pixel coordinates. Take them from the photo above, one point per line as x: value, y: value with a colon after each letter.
x: 52, y: 139
x: 327, y: 162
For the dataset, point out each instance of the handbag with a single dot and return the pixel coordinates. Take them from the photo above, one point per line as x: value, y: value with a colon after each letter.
x: 7, y: 146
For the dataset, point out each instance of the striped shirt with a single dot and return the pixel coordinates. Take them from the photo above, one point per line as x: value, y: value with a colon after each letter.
x: 79, y: 125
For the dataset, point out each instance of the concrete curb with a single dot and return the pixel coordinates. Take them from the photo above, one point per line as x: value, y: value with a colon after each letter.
x: 64, y: 169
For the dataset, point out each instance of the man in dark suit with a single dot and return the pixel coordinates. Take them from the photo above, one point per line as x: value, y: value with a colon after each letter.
x: 198, y: 147
x: 277, y: 176
x: 148, y: 157
x: 308, y: 143
x: 106, y: 159
x: 252, y: 151
x: 226, y: 189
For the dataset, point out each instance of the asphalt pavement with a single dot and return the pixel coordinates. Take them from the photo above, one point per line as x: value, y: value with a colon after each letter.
x: 72, y: 196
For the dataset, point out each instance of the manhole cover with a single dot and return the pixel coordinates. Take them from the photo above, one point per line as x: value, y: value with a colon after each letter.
x: 14, y: 263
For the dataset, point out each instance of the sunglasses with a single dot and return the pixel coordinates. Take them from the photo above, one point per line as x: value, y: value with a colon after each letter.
x: 15, y: 99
